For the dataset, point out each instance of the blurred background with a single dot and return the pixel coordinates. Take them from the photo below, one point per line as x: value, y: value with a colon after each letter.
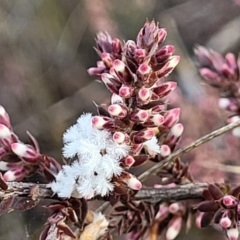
x: 46, y: 47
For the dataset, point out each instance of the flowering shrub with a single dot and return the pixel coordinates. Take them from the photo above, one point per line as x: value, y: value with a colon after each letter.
x: 139, y: 125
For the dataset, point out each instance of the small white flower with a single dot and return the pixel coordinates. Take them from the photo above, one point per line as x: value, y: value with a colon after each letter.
x: 152, y: 146
x: 98, y: 161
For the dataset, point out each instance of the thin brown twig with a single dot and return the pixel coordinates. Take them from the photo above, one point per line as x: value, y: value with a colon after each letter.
x: 187, y: 191
x: 188, y: 148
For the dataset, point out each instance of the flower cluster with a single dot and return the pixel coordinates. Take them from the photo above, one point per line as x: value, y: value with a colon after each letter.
x: 222, y: 206
x: 20, y: 160
x: 222, y: 73
x: 135, y: 127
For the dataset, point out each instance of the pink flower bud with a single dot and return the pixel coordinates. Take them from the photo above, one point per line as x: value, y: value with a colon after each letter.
x: 154, y: 120
x: 124, y: 74
x: 140, y: 54
x: 162, y: 34
x: 111, y: 83
x: 142, y: 136
x: 162, y: 211
x: 229, y: 201
x: 144, y: 69
x: 164, y: 53
x: 132, y: 182
x: 119, y: 137
x: 126, y: 91
x: 177, y: 130
x: 144, y: 95
x: 5, y: 132
x: 15, y: 174
x: 5, y: 136
x: 171, y: 117
x: 164, y: 89
x: 228, y: 72
x: 116, y: 99
x: 96, y: 71
x: 225, y: 222
x: 169, y: 66
x: 137, y: 148
x: 139, y: 115
x: 199, y: 219
x: 174, y: 228
x: 116, y: 46
x: 228, y: 104
x: 233, y: 119
x: 165, y: 150
x: 209, y: 75
x: 231, y: 61
x: 100, y: 122
x: 174, y: 208
x: 129, y: 161
x: 118, y: 110
x: 24, y: 151
x: 236, y: 132
x: 4, y: 118
x: 232, y: 233
x: 107, y: 59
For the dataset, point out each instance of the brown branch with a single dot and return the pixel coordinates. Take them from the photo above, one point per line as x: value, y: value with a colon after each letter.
x: 188, y: 191
x: 188, y: 148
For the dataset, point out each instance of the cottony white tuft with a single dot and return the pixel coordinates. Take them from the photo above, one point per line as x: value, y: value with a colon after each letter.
x: 98, y: 161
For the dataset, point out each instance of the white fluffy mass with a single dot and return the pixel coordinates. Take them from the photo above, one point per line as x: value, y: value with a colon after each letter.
x: 98, y: 161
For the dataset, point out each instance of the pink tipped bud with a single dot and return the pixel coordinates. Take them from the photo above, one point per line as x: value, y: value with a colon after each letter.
x: 100, y: 122
x: 140, y: 54
x: 133, y: 182
x: 144, y: 69
x: 228, y: 72
x: 5, y: 132
x: 229, y: 201
x: 233, y: 119
x: 169, y: 66
x: 209, y: 75
x: 225, y: 222
x: 174, y: 208
x: 177, y: 130
x: 24, y: 151
x: 116, y: 46
x: 126, y: 91
x: 107, y: 59
x: 4, y: 118
x: 119, y: 137
x: 142, y: 136
x: 139, y: 115
x: 154, y: 120
x: 228, y: 104
x: 164, y: 53
x: 17, y: 173
x: 164, y: 89
x: 236, y: 132
x: 231, y: 60
x: 199, y: 219
x: 232, y: 233
x: 118, y: 66
x: 116, y: 99
x: 162, y: 34
x: 143, y: 95
x: 129, y: 161
x: 171, y: 117
x: 174, y: 228
x: 137, y: 148
x: 118, y: 110
x: 165, y: 150
x: 110, y: 82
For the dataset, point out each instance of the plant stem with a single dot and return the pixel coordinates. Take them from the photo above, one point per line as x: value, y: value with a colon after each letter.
x: 188, y: 148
